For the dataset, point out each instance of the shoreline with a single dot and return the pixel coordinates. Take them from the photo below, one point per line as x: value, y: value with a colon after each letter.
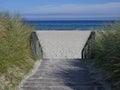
x: 66, y: 30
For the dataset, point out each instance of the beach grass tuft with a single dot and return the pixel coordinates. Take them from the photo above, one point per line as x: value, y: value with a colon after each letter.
x: 107, y: 53
x: 15, y: 51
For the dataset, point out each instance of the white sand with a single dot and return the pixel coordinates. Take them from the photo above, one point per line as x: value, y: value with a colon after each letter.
x: 62, y: 44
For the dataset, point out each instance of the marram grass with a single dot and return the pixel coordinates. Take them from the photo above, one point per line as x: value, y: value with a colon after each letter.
x: 15, y: 51
x: 107, y: 53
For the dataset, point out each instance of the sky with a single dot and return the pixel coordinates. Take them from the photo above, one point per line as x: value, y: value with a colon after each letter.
x: 63, y: 9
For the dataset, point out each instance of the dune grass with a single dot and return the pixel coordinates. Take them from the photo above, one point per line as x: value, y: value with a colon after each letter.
x: 107, y: 53
x: 15, y: 51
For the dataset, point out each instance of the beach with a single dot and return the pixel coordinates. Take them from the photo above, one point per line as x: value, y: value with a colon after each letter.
x: 62, y: 44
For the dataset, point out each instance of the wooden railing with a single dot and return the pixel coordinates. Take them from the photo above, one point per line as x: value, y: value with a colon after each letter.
x: 36, y: 47
x: 87, y: 51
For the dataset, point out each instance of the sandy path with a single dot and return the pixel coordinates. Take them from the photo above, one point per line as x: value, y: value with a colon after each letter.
x: 62, y: 44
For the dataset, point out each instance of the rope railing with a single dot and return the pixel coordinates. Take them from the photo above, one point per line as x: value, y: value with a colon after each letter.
x: 87, y: 52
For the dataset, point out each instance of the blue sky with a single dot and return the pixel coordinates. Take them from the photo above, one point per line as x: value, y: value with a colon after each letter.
x: 63, y: 9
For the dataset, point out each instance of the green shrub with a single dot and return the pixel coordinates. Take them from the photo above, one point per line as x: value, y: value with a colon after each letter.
x: 15, y: 51
x: 107, y: 53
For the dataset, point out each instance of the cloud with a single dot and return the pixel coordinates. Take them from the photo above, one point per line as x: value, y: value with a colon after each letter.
x: 74, y: 11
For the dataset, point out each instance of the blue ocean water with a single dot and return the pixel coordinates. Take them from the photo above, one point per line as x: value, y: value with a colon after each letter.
x: 69, y: 25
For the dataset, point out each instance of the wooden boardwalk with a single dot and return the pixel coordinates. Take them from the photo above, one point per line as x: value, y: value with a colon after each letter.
x: 59, y: 70
x: 61, y: 74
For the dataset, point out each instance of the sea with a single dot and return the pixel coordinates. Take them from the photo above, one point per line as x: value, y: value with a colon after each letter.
x: 69, y: 24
